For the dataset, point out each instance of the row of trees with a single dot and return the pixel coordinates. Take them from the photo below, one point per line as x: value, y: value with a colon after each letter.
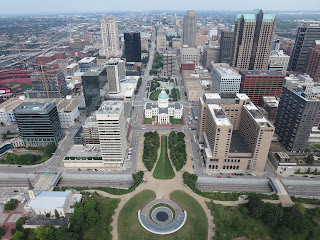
x: 175, y: 94
x: 285, y: 222
x: 150, y: 151
x: 138, y: 86
x: 157, y: 63
x: 177, y: 148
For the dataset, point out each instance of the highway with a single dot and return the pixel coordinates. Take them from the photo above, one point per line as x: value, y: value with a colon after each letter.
x: 94, y: 183
x: 13, y: 182
x: 259, y: 188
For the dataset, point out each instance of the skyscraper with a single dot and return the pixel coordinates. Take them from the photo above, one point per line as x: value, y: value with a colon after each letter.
x: 116, y: 71
x: 226, y: 44
x: 161, y: 40
x: 295, y: 118
x: 252, y: 42
x: 95, y: 88
x: 38, y: 123
x: 305, y: 37
x: 313, y: 61
x: 132, y: 45
x: 189, y: 29
x: 110, y: 37
x: 112, y: 132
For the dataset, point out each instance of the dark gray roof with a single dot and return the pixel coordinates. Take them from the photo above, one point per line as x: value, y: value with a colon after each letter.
x: 177, y: 106
x: 163, y: 110
x: 261, y: 73
x: 238, y: 145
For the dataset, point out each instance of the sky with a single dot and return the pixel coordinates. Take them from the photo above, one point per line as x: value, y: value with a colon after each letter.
x: 75, y: 6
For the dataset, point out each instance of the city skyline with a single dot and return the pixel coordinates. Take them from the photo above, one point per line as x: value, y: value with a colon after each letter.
x: 21, y: 7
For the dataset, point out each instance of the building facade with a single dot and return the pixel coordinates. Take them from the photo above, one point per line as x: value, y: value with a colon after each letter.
x: 258, y: 83
x: 116, y: 71
x: 235, y: 134
x: 132, y: 42
x: 87, y: 63
x: 295, y: 118
x: 210, y: 54
x: 110, y: 37
x: 188, y: 54
x: 252, y: 40
x: 169, y: 64
x: 189, y: 29
x: 162, y: 111
x: 161, y: 40
x: 225, y: 78
x: 95, y: 88
x: 112, y: 132
x: 313, y: 61
x: 306, y: 35
x: 226, y: 44
x: 279, y: 61
x: 49, y: 84
x: 38, y: 123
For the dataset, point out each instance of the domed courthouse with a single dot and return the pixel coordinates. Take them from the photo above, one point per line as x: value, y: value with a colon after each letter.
x: 163, y: 110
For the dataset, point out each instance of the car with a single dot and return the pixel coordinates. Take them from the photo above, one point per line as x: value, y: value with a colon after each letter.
x: 228, y: 176
x: 15, y: 191
x: 305, y: 176
x: 219, y: 177
x: 191, y: 159
x: 233, y: 174
x: 19, y: 166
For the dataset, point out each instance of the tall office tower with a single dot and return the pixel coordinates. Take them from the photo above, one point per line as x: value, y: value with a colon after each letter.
x: 252, y: 40
x: 275, y: 45
x: 225, y: 78
x: 112, y: 132
x: 226, y: 45
x: 210, y: 54
x: 110, y: 37
x: 38, y: 123
x: 313, y: 61
x: 258, y: 83
x: 169, y: 64
x: 132, y: 45
x: 295, y: 118
x: 278, y: 61
x: 116, y: 71
x: 95, y: 88
x: 189, y: 31
x: 236, y: 135
x: 49, y: 84
x: 305, y: 37
x: 161, y: 40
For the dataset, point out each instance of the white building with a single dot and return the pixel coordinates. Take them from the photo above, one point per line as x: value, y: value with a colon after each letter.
x: 68, y: 108
x: 112, y: 132
x: 225, y: 78
x: 116, y: 71
x: 110, y: 37
x: 189, y: 54
x: 162, y: 110
x: 279, y: 61
x: 86, y: 63
x: 72, y: 68
x: 161, y: 40
x: 46, y: 202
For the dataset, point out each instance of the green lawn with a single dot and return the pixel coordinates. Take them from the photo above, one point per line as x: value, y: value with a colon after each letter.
x: 148, y: 120
x: 163, y: 169
x: 317, y: 146
x: 176, y: 121
x: 154, y: 95
x: 195, y: 228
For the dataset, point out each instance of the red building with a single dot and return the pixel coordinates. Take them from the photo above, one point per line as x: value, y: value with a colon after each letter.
x: 259, y: 83
x: 187, y: 66
x: 313, y: 61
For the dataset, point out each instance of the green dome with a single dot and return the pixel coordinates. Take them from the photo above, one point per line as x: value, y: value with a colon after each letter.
x: 163, y: 95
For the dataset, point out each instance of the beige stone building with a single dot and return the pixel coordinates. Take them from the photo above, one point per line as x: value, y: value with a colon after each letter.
x: 235, y: 134
x: 253, y: 39
x: 201, y: 39
x: 161, y: 40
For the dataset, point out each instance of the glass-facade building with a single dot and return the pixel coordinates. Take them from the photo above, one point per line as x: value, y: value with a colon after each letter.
x: 132, y: 44
x: 95, y: 88
x: 38, y: 123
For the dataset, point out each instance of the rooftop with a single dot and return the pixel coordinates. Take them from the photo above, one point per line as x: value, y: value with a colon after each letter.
x: 219, y: 115
x: 33, y: 106
x: 258, y: 116
x: 94, y: 72
x: 50, y: 200
x: 87, y: 60
x: 261, y: 73
x: 225, y: 70
x: 110, y: 107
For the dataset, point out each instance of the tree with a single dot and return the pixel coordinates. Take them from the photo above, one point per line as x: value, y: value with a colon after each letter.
x: 56, y: 214
x: 273, y: 214
x: 283, y: 233
x: 294, y: 220
x: 48, y: 215
x: 11, y: 204
x: 310, y: 159
x: 17, y: 235
x: 299, y: 207
x: 49, y: 149
x: 19, y: 223
x: 77, y: 220
x: 92, y: 217
x: 255, y: 206
x: 2, y: 231
x: 2, y: 124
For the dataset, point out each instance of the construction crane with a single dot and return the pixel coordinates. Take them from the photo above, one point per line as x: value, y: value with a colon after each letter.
x: 43, y: 74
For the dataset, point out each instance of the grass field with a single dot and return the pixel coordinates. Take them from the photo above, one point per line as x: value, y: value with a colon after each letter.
x: 154, y: 95
x: 148, y: 120
x: 163, y: 169
x: 176, y: 121
x: 15, y: 86
x: 195, y: 228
